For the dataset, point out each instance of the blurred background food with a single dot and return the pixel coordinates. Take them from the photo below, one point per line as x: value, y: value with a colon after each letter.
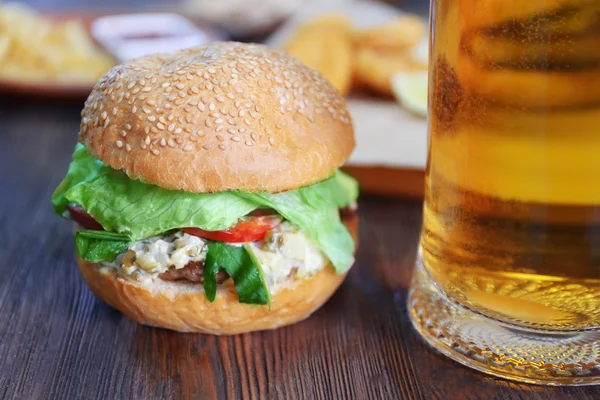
x: 373, y: 52
x: 38, y: 49
x: 242, y: 18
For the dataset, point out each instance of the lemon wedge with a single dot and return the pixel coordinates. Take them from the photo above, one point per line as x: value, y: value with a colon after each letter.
x: 410, y: 89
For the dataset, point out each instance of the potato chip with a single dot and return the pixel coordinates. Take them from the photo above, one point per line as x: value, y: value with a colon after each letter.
x: 33, y: 48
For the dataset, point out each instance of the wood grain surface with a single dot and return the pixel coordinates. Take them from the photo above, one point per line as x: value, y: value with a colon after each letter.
x: 58, y: 342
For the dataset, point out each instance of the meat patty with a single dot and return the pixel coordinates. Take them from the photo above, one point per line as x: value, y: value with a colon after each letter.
x: 193, y: 272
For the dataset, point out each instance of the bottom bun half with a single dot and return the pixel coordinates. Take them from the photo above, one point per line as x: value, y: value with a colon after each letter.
x: 183, y: 306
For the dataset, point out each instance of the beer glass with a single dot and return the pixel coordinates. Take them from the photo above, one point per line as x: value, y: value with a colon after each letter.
x: 508, y: 275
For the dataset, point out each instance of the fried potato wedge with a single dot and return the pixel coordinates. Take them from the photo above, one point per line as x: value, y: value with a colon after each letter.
x: 395, y: 36
x: 374, y: 70
x: 324, y: 44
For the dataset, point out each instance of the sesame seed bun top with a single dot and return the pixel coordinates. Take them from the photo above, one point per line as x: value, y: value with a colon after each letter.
x: 221, y: 117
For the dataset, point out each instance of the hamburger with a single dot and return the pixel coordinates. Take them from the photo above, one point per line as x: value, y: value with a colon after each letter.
x: 206, y: 192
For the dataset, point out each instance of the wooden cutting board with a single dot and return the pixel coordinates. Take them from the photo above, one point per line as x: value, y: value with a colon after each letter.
x: 391, y: 150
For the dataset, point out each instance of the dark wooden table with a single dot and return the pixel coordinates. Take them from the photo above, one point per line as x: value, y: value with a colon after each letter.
x: 58, y: 342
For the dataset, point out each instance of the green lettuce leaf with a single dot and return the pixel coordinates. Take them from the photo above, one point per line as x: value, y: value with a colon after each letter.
x: 98, y: 246
x: 314, y: 209
x: 83, y: 168
x: 139, y: 210
x: 246, y: 274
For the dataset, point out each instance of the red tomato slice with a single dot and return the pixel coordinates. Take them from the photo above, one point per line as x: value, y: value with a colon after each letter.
x: 251, y: 230
x: 84, y: 219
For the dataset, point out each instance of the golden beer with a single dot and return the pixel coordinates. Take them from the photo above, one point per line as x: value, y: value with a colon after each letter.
x: 512, y: 206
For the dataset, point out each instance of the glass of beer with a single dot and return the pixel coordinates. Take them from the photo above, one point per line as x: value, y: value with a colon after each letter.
x: 508, y: 275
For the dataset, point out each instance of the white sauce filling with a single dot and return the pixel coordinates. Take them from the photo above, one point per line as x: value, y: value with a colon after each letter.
x: 285, y: 254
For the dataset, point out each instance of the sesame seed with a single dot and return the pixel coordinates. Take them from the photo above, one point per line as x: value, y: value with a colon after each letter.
x: 170, y: 142
x: 211, y: 106
x: 232, y: 130
x: 188, y: 129
x: 253, y: 136
x: 220, y: 138
x: 163, y: 142
x: 127, y: 147
x: 178, y: 140
x: 166, y: 84
x: 151, y: 118
x: 151, y: 103
x: 242, y: 130
x: 179, y: 86
x: 146, y: 110
x: 127, y: 126
x: 220, y: 97
x: 106, y: 122
x: 147, y: 140
x: 222, y: 147
x: 104, y: 115
x: 133, y: 109
x: 219, y: 121
x: 271, y: 141
x: 135, y: 90
x: 153, y: 129
x: 187, y: 148
x: 119, y: 144
x: 155, y: 152
x: 207, y: 147
x: 160, y: 126
x: 177, y: 131
x: 235, y: 138
x: 247, y: 121
x: 123, y: 133
x: 171, y: 127
x: 130, y: 84
x: 248, y: 143
x: 114, y: 111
